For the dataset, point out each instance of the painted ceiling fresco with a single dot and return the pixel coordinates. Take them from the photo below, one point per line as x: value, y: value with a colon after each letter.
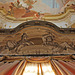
x: 31, y: 8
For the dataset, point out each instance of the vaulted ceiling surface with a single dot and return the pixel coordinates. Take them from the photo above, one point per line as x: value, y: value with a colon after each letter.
x: 15, y: 12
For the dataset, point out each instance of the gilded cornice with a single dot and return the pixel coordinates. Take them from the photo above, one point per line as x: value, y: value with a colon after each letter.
x: 58, y: 16
x: 45, y: 18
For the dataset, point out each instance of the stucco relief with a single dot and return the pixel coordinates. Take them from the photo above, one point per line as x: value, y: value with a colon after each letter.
x: 49, y: 46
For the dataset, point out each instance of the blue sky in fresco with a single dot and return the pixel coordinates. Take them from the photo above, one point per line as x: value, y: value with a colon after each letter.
x: 50, y: 3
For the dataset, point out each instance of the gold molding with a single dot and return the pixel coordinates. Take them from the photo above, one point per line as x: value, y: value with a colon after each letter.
x: 46, y: 18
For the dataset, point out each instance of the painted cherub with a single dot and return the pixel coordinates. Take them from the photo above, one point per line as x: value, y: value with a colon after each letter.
x: 29, y: 3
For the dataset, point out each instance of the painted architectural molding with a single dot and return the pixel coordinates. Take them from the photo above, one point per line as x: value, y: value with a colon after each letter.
x: 25, y: 39
x: 46, y: 17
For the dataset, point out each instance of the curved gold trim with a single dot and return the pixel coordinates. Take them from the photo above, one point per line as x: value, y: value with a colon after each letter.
x: 47, y: 17
x: 38, y: 61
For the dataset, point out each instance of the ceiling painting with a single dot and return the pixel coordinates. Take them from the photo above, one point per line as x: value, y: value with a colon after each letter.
x: 15, y: 12
x: 29, y: 8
